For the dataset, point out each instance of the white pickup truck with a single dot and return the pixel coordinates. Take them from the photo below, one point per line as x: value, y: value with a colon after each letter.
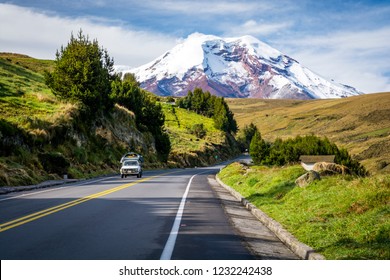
x: 131, y: 165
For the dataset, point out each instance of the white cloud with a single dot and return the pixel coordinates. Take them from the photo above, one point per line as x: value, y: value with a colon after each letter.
x: 214, y: 7
x: 365, y: 74
x: 40, y: 35
x: 367, y: 40
x: 251, y: 27
x: 359, y: 59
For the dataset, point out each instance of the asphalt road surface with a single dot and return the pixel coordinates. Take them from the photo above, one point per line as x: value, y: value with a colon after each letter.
x: 167, y: 214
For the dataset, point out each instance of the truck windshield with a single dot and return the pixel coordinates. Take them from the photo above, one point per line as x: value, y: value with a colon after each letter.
x: 130, y: 163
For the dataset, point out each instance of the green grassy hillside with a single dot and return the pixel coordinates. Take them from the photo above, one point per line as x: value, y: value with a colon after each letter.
x: 42, y: 137
x: 195, y: 140
x: 360, y: 124
x: 23, y: 93
x: 341, y: 217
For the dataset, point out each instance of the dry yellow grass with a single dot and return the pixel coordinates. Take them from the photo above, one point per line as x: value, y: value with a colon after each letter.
x: 361, y: 123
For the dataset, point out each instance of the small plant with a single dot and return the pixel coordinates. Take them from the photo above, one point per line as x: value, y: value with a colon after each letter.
x: 198, y: 130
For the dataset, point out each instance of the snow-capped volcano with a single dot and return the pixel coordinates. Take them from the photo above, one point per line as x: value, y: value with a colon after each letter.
x: 234, y: 67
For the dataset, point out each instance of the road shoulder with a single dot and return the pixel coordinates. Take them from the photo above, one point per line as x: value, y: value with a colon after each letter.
x: 298, y: 249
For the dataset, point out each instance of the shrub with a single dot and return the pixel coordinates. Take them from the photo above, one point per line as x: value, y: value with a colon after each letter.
x: 198, y: 130
x: 289, y: 151
x: 11, y: 138
x: 54, y: 162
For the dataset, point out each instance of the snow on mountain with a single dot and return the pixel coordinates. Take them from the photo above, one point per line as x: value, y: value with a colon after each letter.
x: 122, y: 68
x: 234, y: 67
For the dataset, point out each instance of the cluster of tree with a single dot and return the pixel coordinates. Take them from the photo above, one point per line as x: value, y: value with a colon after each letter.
x: 84, y: 74
x: 206, y: 104
x: 283, y: 152
x: 148, y: 112
x: 245, y: 136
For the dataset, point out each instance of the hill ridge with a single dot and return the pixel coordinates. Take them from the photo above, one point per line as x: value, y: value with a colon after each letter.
x: 359, y: 123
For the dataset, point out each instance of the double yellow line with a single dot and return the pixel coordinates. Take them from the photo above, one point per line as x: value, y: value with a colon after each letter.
x: 46, y: 212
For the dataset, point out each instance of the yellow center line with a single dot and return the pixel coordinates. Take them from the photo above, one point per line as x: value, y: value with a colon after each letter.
x: 51, y: 210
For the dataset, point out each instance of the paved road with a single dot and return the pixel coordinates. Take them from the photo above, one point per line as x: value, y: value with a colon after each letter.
x: 171, y: 214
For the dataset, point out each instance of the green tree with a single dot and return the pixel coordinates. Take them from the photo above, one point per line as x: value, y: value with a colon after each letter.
x: 83, y: 73
x: 205, y: 104
x: 148, y: 113
x: 288, y: 151
x: 258, y: 149
x: 246, y: 135
x: 223, y: 117
x: 221, y: 120
x: 130, y: 78
x: 185, y: 102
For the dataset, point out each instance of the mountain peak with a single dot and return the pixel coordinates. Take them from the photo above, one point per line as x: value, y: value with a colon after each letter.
x: 234, y: 67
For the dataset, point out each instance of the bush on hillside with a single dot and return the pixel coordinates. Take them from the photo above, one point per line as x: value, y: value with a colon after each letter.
x: 84, y: 73
x: 283, y: 152
x: 258, y: 149
x: 148, y: 112
x: 11, y: 138
x: 198, y: 130
x: 54, y: 162
x: 245, y: 136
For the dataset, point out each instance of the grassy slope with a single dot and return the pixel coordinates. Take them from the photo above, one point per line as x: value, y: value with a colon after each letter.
x: 44, y: 124
x: 24, y: 97
x: 361, y: 124
x: 341, y: 217
x: 50, y: 125
x: 187, y: 148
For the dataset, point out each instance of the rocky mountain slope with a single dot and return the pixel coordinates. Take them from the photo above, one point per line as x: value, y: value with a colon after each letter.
x: 234, y: 67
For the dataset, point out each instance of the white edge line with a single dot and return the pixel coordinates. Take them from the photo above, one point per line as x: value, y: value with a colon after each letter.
x: 170, y: 245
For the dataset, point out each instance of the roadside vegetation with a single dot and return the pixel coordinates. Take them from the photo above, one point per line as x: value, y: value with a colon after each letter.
x: 288, y: 151
x: 359, y: 124
x: 75, y: 116
x: 341, y: 217
x: 211, y: 106
x: 201, y: 128
x: 195, y: 139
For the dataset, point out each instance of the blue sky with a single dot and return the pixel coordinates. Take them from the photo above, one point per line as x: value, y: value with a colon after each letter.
x: 348, y: 41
